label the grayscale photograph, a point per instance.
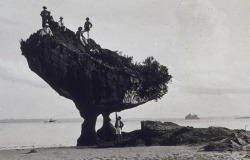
(124, 80)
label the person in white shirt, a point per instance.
(61, 24)
(80, 37)
(46, 31)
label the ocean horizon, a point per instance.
(39, 133)
(35, 120)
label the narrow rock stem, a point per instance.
(88, 134)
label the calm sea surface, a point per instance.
(40, 134)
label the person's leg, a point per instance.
(118, 137)
(118, 134)
(43, 22)
(85, 40)
(83, 43)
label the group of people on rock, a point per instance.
(47, 20)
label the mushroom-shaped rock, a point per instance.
(97, 80)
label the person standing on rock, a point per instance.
(50, 18)
(80, 37)
(118, 126)
(61, 24)
(45, 16)
(87, 26)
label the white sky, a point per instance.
(205, 45)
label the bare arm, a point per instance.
(50, 32)
(122, 124)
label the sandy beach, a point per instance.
(129, 153)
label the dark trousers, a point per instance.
(44, 21)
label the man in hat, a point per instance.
(44, 15)
(87, 26)
(46, 31)
(61, 24)
(80, 37)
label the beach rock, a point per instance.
(156, 128)
(157, 133)
(129, 139)
(215, 139)
(168, 133)
(99, 82)
(32, 151)
(243, 136)
(238, 141)
(107, 132)
(199, 135)
(223, 145)
(247, 157)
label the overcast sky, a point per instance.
(205, 44)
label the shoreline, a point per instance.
(151, 152)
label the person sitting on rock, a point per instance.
(61, 24)
(118, 126)
(80, 37)
(87, 26)
(46, 31)
(44, 15)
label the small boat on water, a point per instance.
(51, 121)
(191, 116)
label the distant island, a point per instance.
(190, 116)
(248, 117)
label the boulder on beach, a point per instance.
(238, 140)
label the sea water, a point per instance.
(65, 133)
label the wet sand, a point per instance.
(128, 153)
